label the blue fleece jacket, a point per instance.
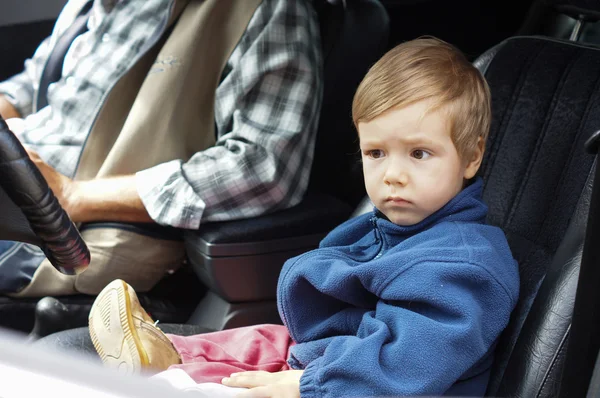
(385, 310)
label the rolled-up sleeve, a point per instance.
(266, 112)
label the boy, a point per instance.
(406, 300)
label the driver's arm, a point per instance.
(7, 109)
(112, 198)
(260, 162)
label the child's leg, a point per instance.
(126, 338)
(210, 357)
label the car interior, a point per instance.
(541, 59)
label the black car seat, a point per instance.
(537, 174)
(239, 261)
(546, 103)
(531, 362)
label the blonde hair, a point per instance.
(428, 69)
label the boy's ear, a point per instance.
(475, 161)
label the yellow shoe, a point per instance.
(125, 336)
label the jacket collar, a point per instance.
(467, 206)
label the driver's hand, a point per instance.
(61, 185)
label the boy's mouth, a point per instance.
(397, 200)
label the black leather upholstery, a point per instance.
(545, 105)
(483, 61)
(27, 189)
(316, 213)
(535, 368)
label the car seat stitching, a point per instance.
(571, 156)
(540, 139)
(508, 111)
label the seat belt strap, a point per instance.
(53, 70)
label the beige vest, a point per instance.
(161, 110)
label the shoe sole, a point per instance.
(113, 333)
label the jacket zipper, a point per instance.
(378, 237)
(280, 303)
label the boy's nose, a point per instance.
(396, 176)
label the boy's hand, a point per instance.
(285, 384)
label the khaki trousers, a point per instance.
(138, 259)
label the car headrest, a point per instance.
(354, 35)
(578, 9)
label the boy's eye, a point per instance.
(420, 154)
(375, 153)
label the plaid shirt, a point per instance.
(266, 108)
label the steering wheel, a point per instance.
(31, 213)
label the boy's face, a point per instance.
(411, 166)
